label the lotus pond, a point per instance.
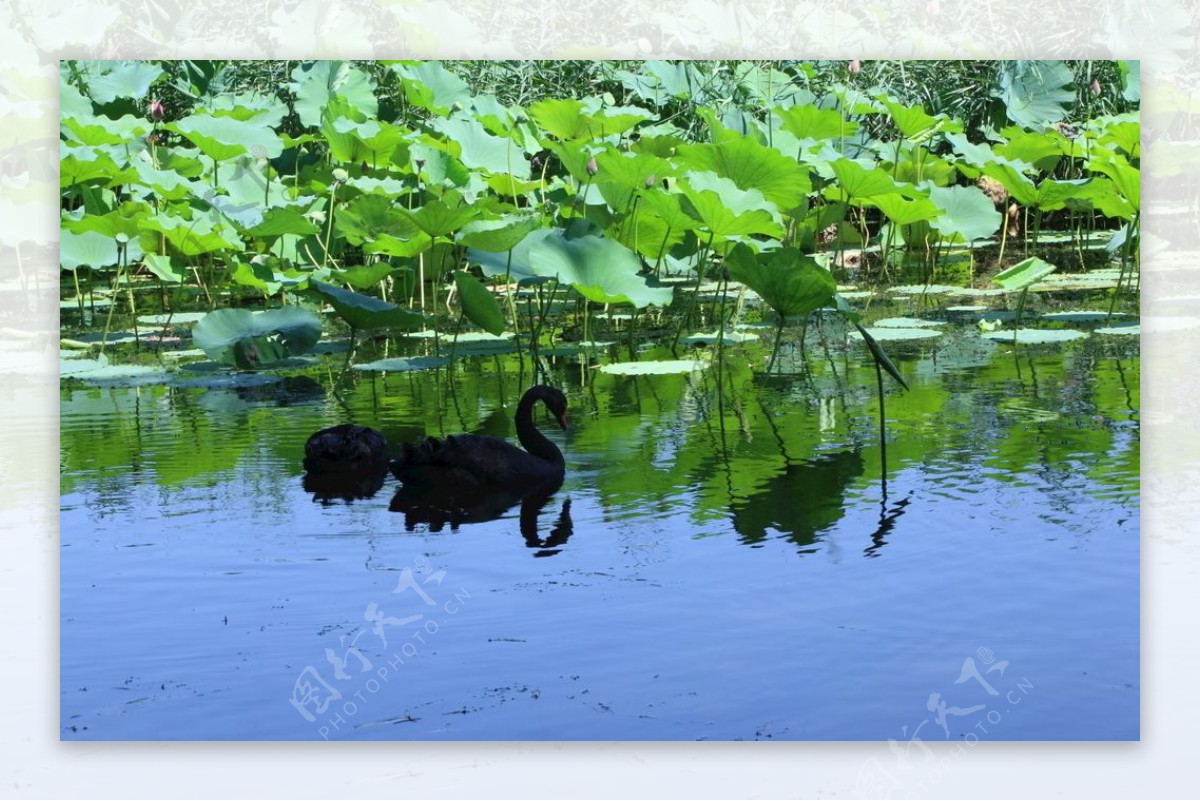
(722, 562)
(853, 389)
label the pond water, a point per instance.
(722, 561)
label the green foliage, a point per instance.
(250, 340)
(273, 179)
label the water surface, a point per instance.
(722, 562)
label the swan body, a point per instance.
(345, 448)
(463, 464)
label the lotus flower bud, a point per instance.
(650, 181)
(1095, 86)
(855, 67)
(592, 167)
(157, 110)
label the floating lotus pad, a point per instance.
(966, 309)
(1035, 336)
(190, 353)
(1080, 316)
(1119, 330)
(662, 367)
(971, 292)
(407, 364)
(711, 339)
(125, 375)
(882, 334)
(183, 318)
(1096, 279)
(907, 322)
(228, 381)
(921, 289)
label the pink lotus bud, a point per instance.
(592, 167)
(855, 67)
(1095, 86)
(157, 110)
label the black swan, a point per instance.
(466, 465)
(346, 449)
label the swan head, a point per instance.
(555, 401)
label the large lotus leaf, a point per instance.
(600, 269)
(481, 150)
(438, 167)
(316, 82)
(966, 213)
(1125, 177)
(789, 282)
(364, 311)
(191, 237)
(88, 249)
(668, 206)
(439, 218)
(1052, 194)
(91, 130)
(1034, 92)
(166, 184)
(1131, 80)
(648, 234)
(280, 221)
(857, 182)
(367, 217)
(249, 340)
(259, 276)
(562, 118)
(429, 85)
(631, 170)
(364, 276)
(726, 210)
(128, 79)
(225, 137)
(658, 81)
(1101, 194)
(905, 211)
(363, 141)
(810, 122)
(750, 165)
(122, 220)
(389, 245)
(500, 234)
(1125, 132)
(71, 102)
(911, 120)
(478, 304)
(1014, 180)
(566, 118)
(1042, 150)
(774, 88)
(85, 163)
(1024, 273)
(161, 267)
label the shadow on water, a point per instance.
(802, 500)
(436, 509)
(347, 486)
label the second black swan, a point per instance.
(464, 463)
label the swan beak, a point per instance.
(562, 421)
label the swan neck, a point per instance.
(531, 438)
